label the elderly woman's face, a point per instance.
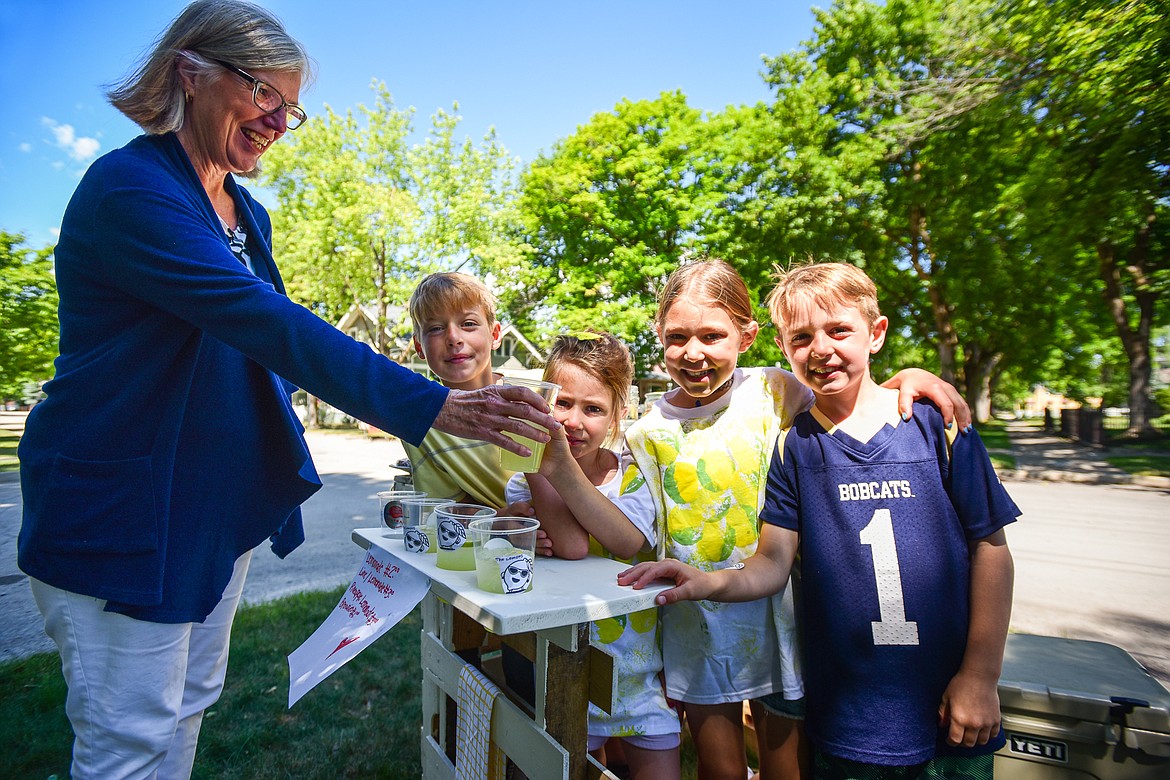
(229, 130)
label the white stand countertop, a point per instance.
(563, 592)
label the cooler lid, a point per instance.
(1078, 678)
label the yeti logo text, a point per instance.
(873, 491)
(1028, 745)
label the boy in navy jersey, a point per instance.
(905, 582)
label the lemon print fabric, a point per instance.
(706, 468)
(712, 487)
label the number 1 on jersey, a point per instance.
(893, 628)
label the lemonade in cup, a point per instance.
(454, 546)
(505, 553)
(420, 526)
(511, 461)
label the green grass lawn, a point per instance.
(363, 721)
(1147, 458)
(8, 442)
(999, 446)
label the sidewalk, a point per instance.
(1046, 456)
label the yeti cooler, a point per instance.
(1080, 710)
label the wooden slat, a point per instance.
(535, 752)
(566, 720)
(524, 644)
(602, 681)
(466, 634)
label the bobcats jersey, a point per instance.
(884, 530)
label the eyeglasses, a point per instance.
(268, 99)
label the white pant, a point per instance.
(137, 690)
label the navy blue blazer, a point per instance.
(167, 445)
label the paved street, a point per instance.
(1092, 560)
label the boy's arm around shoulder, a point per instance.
(912, 383)
(763, 574)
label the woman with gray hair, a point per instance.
(167, 448)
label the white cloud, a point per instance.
(25, 147)
(82, 149)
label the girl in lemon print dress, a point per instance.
(704, 450)
(594, 372)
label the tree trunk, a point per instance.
(314, 420)
(1135, 340)
(380, 342)
(978, 369)
(921, 258)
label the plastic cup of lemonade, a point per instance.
(420, 526)
(511, 461)
(454, 546)
(505, 551)
(390, 508)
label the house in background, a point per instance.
(516, 355)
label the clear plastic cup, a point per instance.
(420, 526)
(390, 509)
(511, 461)
(505, 553)
(454, 547)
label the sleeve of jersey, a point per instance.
(982, 503)
(517, 489)
(636, 501)
(781, 496)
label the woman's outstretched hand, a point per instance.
(485, 414)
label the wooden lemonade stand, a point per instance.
(549, 625)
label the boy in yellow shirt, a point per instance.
(455, 331)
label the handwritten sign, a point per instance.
(380, 595)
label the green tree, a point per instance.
(880, 159)
(1090, 76)
(364, 212)
(607, 214)
(28, 314)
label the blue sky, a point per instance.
(533, 70)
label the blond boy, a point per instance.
(455, 331)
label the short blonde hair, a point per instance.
(601, 356)
(827, 285)
(708, 281)
(443, 293)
